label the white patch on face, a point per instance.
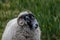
(27, 17)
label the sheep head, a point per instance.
(27, 18)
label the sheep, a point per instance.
(24, 27)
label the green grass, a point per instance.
(47, 13)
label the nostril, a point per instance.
(36, 25)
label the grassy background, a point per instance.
(47, 13)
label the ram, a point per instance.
(24, 27)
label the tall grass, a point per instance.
(47, 13)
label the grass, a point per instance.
(47, 13)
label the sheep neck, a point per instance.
(24, 33)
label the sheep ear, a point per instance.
(20, 21)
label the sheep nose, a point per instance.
(36, 25)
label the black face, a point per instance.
(31, 21)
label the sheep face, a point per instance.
(28, 19)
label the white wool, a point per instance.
(9, 30)
(12, 27)
(25, 12)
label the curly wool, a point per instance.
(15, 32)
